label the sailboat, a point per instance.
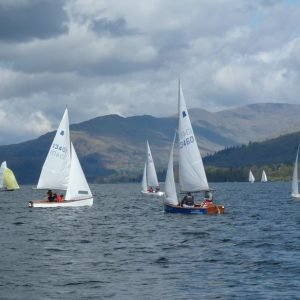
(192, 176)
(150, 185)
(62, 171)
(264, 176)
(8, 181)
(251, 177)
(295, 189)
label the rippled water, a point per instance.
(126, 247)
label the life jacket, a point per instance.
(189, 200)
(59, 198)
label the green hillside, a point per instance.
(275, 156)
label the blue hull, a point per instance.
(213, 209)
(184, 210)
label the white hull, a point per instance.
(71, 203)
(295, 195)
(153, 193)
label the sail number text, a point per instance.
(186, 141)
(186, 137)
(60, 148)
(58, 151)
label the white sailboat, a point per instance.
(192, 176)
(251, 177)
(264, 176)
(295, 189)
(8, 181)
(62, 171)
(150, 185)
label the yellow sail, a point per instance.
(9, 180)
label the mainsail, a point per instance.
(151, 172)
(56, 168)
(7, 178)
(251, 177)
(192, 175)
(264, 176)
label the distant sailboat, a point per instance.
(192, 176)
(264, 176)
(295, 189)
(251, 177)
(8, 181)
(150, 185)
(62, 171)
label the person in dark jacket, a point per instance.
(188, 200)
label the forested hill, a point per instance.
(113, 148)
(279, 150)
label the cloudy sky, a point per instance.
(102, 57)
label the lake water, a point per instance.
(126, 247)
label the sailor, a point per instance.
(208, 199)
(50, 196)
(188, 200)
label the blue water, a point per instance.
(126, 247)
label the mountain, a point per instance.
(273, 151)
(115, 147)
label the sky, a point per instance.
(100, 57)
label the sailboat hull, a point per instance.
(209, 210)
(70, 203)
(153, 193)
(295, 195)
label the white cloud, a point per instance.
(126, 56)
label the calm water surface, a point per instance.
(126, 247)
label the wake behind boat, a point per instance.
(192, 176)
(150, 185)
(62, 172)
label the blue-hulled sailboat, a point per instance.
(192, 176)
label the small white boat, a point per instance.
(8, 181)
(150, 185)
(264, 176)
(295, 188)
(251, 177)
(62, 172)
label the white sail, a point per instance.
(2, 169)
(264, 176)
(8, 180)
(78, 187)
(56, 168)
(170, 187)
(251, 177)
(151, 172)
(144, 180)
(295, 189)
(192, 175)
